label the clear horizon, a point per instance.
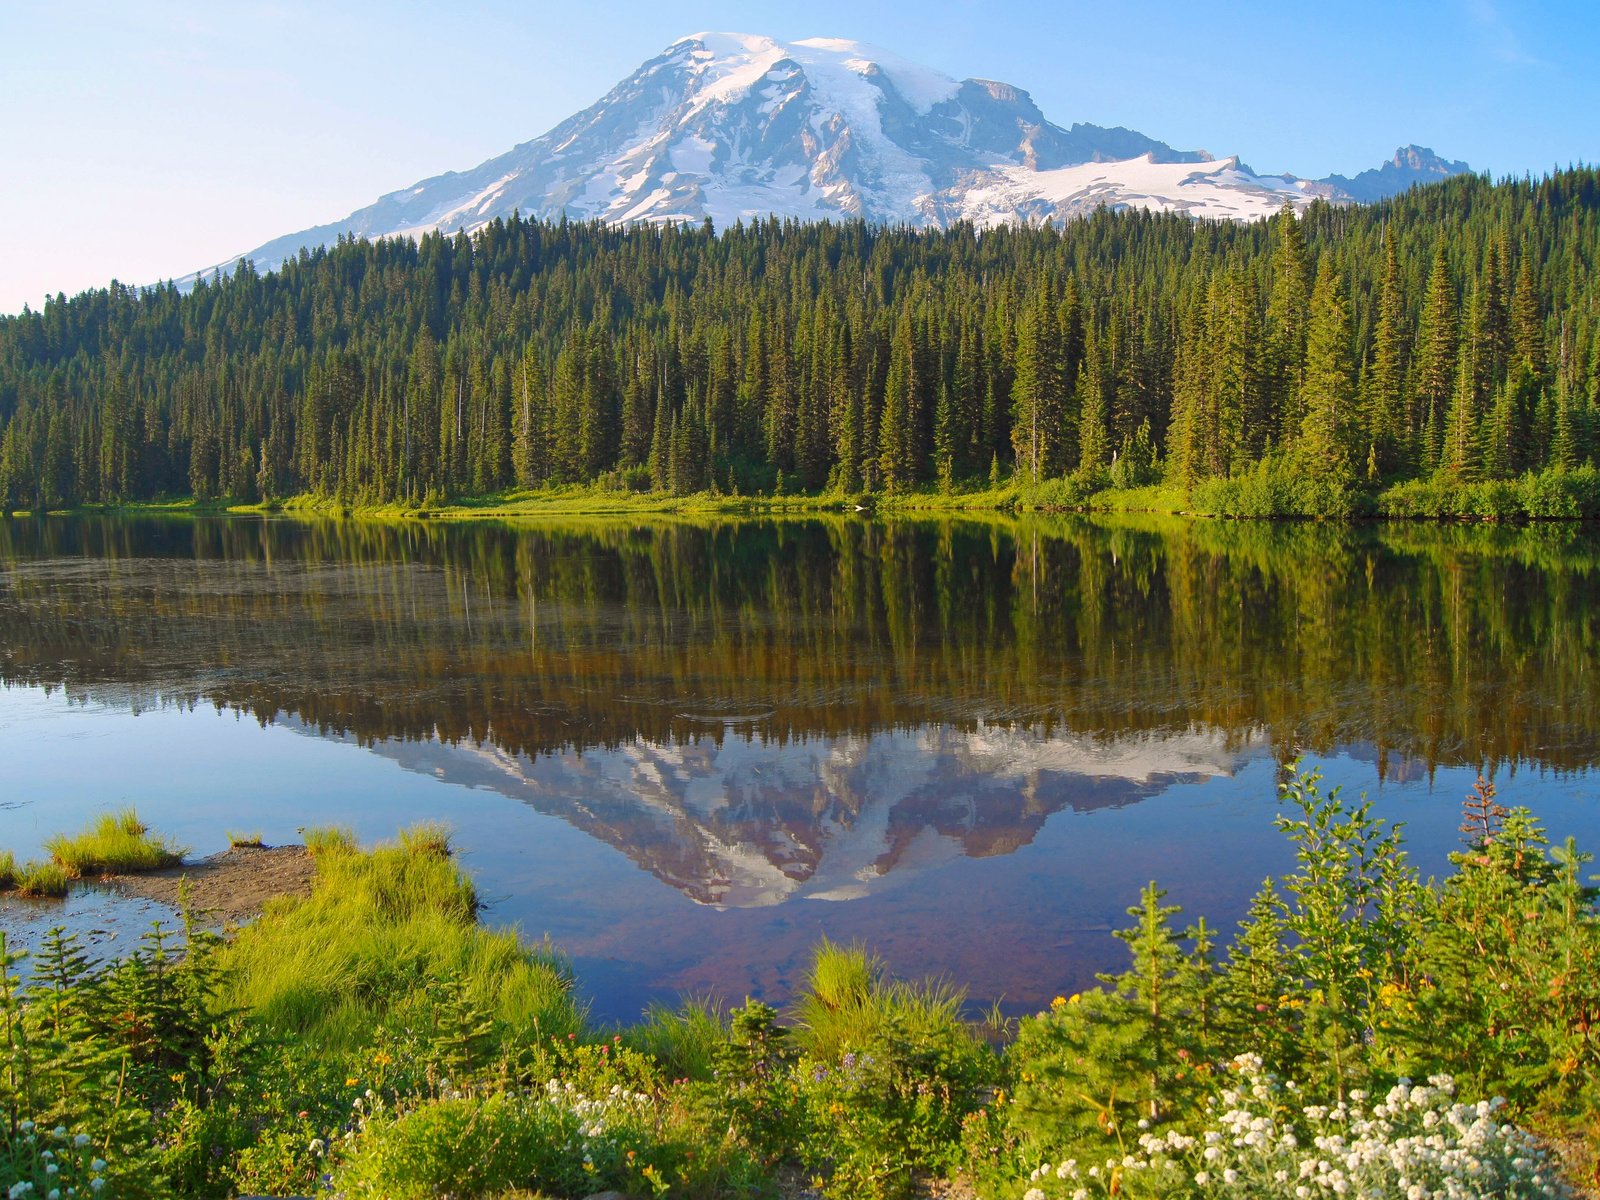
(146, 143)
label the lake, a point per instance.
(687, 750)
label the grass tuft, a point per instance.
(38, 879)
(113, 843)
(849, 1003)
(330, 841)
(251, 841)
(683, 1040)
(8, 870)
(427, 838)
(372, 943)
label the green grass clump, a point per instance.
(427, 837)
(683, 1040)
(8, 870)
(253, 840)
(849, 1003)
(113, 843)
(329, 841)
(39, 879)
(370, 947)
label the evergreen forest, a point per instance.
(1402, 357)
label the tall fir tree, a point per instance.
(1330, 429)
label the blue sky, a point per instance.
(142, 140)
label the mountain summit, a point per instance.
(732, 126)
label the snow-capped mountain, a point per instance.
(735, 126)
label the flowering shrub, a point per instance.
(1260, 1140)
(889, 1074)
(49, 1164)
(558, 1138)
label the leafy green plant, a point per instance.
(1508, 970)
(890, 1072)
(1350, 910)
(559, 1138)
(36, 1161)
(1260, 1140)
(753, 1082)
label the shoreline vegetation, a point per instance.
(1364, 1032)
(1265, 494)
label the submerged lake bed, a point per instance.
(685, 751)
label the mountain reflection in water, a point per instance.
(739, 823)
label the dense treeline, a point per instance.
(1451, 332)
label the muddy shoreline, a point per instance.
(230, 887)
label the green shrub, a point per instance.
(1494, 500)
(754, 1085)
(890, 1071)
(1562, 494)
(1072, 491)
(1550, 494)
(39, 1162)
(113, 843)
(1279, 486)
(1512, 947)
(1132, 1054)
(559, 1138)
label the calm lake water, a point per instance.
(686, 751)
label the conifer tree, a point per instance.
(1390, 422)
(1527, 322)
(897, 423)
(1460, 454)
(1436, 359)
(1329, 429)
(1038, 409)
(529, 449)
(1094, 433)
(1286, 329)
(1491, 326)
